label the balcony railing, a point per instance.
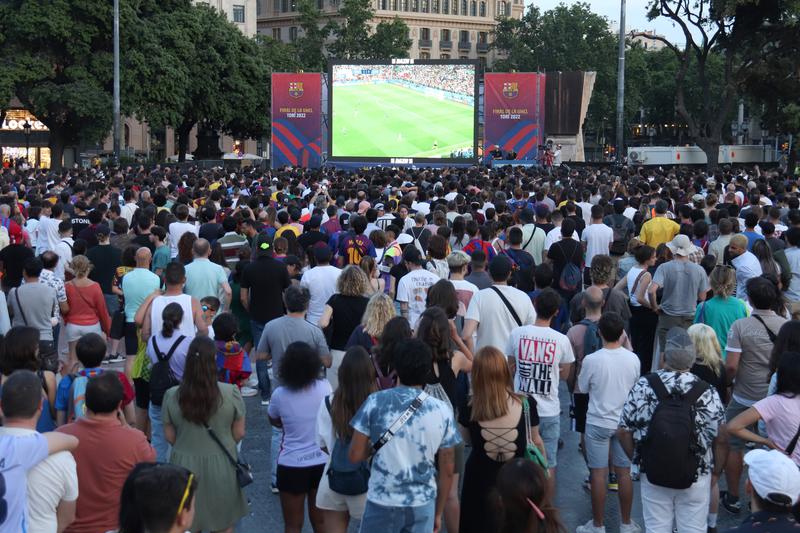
(425, 43)
(445, 45)
(464, 46)
(482, 47)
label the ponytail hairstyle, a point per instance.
(520, 500)
(171, 318)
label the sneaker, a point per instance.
(274, 489)
(252, 381)
(589, 527)
(613, 485)
(633, 527)
(265, 403)
(116, 358)
(247, 392)
(731, 504)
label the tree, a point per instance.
(310, 45)
(572, 38)
(724, 42)
(354, 40)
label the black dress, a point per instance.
(480, 472)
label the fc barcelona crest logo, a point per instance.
(510, 89)
(295, 89)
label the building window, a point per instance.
(284, 6)
(425, 8)
(403, 5)
(483, 37)
(293, 5)
(258, 8)
(238, 14)
(276, 6)
(445, 56)
(473, 8)
(463, 57)
(434, 6)
(463, 36)
(444, 35)
(455, 7)
(293, 33)
(415, 6)
(424, 55)
(482, 62)
(425, 34)
(501, 9)
(276, 34)
(384, 4)
(483, 9)
(463, 7)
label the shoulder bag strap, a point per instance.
(507, 304)
(328, 403)
(772, 336)
(658, 386)
(19, 305)
(172, 349)
(533, 233)
(78, 290)
(526, 410)
(222, 446)
(793, 443)
(400, 422)
(636, 281)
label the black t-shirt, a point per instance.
(105, 260)
(143, 240)
(13, 257)
(707, 374)
(561, 252)
(546, 227)
(397, 271)
(310, 238)
(347, 313)
(210, 231)
(79, 223)
(266, 279)
(420, 234)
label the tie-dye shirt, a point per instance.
(403, 471)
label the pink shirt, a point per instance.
(782, 417)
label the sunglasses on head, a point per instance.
(205, 308)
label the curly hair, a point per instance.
(602, 269)
(352, 282)
(380, 310)
(299, 366)
(81, 266)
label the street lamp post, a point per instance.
(26, 127)
(621, 84)
(117, 123)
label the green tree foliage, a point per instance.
(568, 38)
(353, 39)
(310, 46)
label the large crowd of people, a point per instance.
(416, 338)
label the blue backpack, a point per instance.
(344, 477)
(591, 337)
(78, 388)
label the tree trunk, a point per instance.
(2, 118)
(711, 147)
(56, 144)
(183, 140)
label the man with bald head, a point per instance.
(746, 263)
(137, 285)
(204, 278)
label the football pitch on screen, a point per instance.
(385, 120)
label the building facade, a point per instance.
(648, 39)
(439, 29)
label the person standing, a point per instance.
(261, 294)
(749, 347)
(413, 287)
(414, 501)
(533, 237)
(675, 491)
(178, 228)
(23, 450)
(745, 262)
(105, 260)
(597, 237)
(494, 312)
(684, 283)
(203, 420)
(206, 278)
(659, 229)
(107, 453)
(606, 376)
(321, 283)
(540, 357)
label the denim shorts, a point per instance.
(397, 519)
(598, 440)
(735, 408)
(550, 431)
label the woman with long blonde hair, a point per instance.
(493, 421)
(342, 314)
(710, 368)
(380, 310)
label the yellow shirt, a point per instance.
(284, 229)
(658, 230)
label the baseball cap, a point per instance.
(292, 260)
(774, 476)
(697, 198)
(458, 259)
(102, 229)
(679, 352)
(379, 207)
(363, 206)
(404, 238)
(263, 245)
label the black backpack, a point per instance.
(622, 234)
(161, 376)
(670, 451)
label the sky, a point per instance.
(635, 14)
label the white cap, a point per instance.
(404, 238)
(773, 475)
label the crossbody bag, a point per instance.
(400, 422)
(508, 305)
